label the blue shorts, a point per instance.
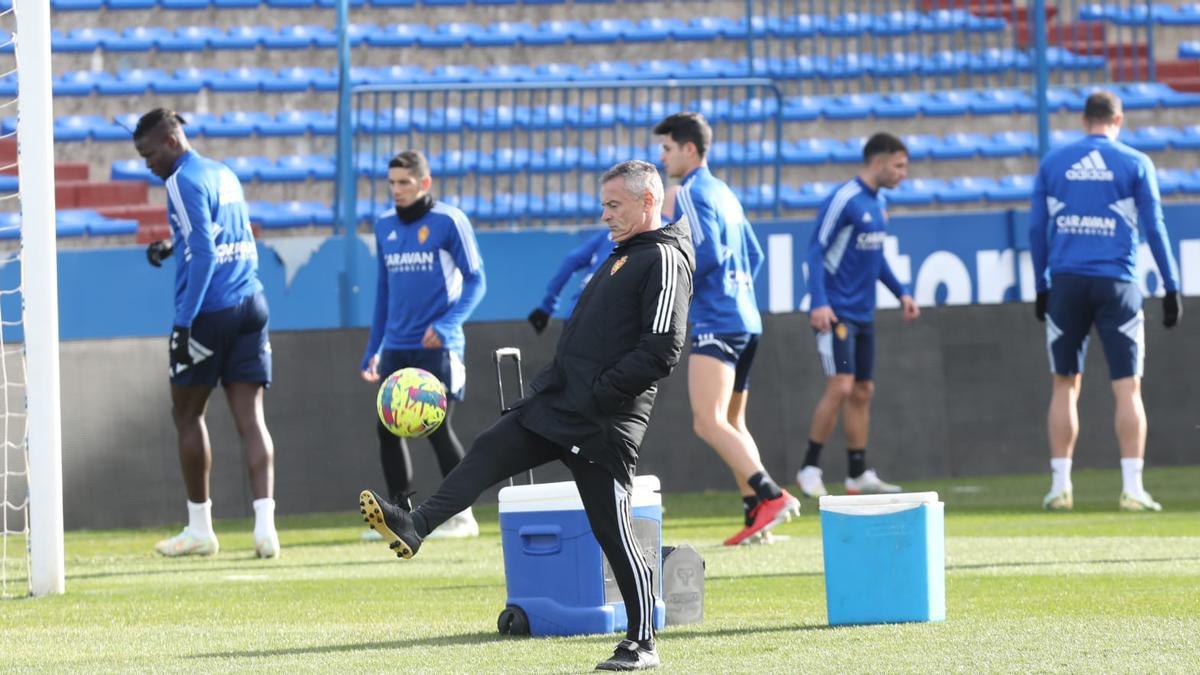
(1114, 306)
(229, 345)
(848, 349)
(735, 349)
(446, 366)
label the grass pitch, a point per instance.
(1093, 590)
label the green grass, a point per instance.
(1093, 590)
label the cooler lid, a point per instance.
(871, 505)
(563, 496)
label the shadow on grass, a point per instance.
(439, 641)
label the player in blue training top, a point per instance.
(430, 279)
(1092, 202)
(845, 259)
(587, 256)
(724, 319)
(220, 329)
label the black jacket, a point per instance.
(625, 334)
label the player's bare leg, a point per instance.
(246, 404)
(825, 416)
(188, 405)
(710, 388)
(857, 414)
(1130, 423)
(1062, 424)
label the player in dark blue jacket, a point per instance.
(430, 278)
(723, 319)
(845, 259)
(220, 328)
(1093, 202)
(587, 257)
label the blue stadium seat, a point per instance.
(236, 4)
(293, 122)
(113, 130)
(303, 36)
(241, 79)
(452, 35)
(454, 163)
(184, 81)
(945, 103)
(958, 146)
(802, 108)
(81, 39)
(656, 69)
(451, 119)
(232, 125)
(560, 159)
(199, 122)
(545, 33)
(196, 79)
(1183, 15)
(75, 127)
(504, 160)
(396, 35)
(130, 4)
(809, 151)
(76, 5)
(291, 4)
(568, 30)
(902, 105)
(385, 121)
(1011, 188)
(1139, 96)
(851, 107)
(1150, 139)
(74, 83)
(552, 116)
(101, 226)
(1188, 139)
(407, 74)
(942, 63)
(509, 73)
(603, 31)
(920, 146)
(900, 64)
(133, 82)
(961, 190)
(10, 224)
(1063, 136)
(597, 71)
(916, 191)
(705, 28)
(247, 168)
(74, 222)
(298, 168)
(1189, 50)
(135, 39)
(240, 37)
(178, 5)
(807, 195)
(714, 68)
(559, 72)
(293, 214)
(1009, 144)
(1000, 101)
(501, 118)
(188, 39)
(1171, 181)
(294, 79)
(504, 34)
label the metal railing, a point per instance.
(531, 154)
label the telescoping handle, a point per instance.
(498, 358)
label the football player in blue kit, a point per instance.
(430, 279)
(1093, 201)
(588, 257)
(845, 259)
(724, 320)
(220, 328)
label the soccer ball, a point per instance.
(411, 403)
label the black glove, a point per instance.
(539, 319)
(1172, 310)
(1039, 305)
(158, 251)
(180, 354)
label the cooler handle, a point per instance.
(540, 539)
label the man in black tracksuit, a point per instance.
(589, 408)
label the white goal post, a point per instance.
(39, 281)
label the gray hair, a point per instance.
(640, 177)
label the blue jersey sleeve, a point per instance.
(888, 277)
(379, 318)
(1039, 218)
(190, 202)
(827, 224)
(1149, 205)
(465, 252)
(754, 250)
(702, 219)
(578, 258)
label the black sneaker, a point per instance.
(630, 655)
(392, 521)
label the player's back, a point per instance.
(727, 256)
(1091, 190)
(211, 225)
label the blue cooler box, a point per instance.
(885, 558)
(554, 568)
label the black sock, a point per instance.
(813, 456)
(858, 462)
(764, 487)
(748, 504)
(420, 524)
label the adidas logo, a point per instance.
(1091, 167)
(392, 236)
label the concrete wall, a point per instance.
(962, 391)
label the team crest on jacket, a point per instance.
(842, 331)
(423, 234)
(617, 265)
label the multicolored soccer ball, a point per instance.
(411, 403)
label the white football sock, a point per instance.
(264, 516)
(200, 518)
(1060, 474)
(1131, 476)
